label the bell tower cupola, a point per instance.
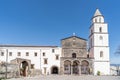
(98, 17)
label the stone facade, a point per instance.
(74, 44)
(74, 56)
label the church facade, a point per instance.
(72, 58)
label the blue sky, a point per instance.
(46, 22)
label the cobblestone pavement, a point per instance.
(65, 77)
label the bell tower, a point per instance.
(99, 44)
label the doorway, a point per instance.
(24, 68)
(75, 67)
(54, 70)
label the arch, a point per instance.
(66, 62)
(24, 68)
(75, 67)
(76, 61)
(85, 63)
(85, 67)
(100, 20)
(73, 55)
(54, 70)
(67, 67)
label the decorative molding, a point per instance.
(98, 33)
(101, 61)
(98, 46)
(96, 23)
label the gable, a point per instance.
(74, 37)
(73, 42)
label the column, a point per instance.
(79, 69)
(71, 69)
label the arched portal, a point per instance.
(54, 70)
(75, 67)
(85, 67)
(24, 68)
(67, 67)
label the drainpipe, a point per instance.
(40, 62)
(6, 63)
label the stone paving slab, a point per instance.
(65, 77)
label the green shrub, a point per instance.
(98, 73)
(2, 78)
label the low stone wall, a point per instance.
(9, 70)
(13, 71)
(34, 72)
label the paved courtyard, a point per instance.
(65, 77)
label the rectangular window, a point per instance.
(57, 57)
(35, 54)
(18, 54)
(32, 66)
(27, 53)
(2, 53)
(53, 50)
(43, 53)
(10, 53)
(45, 61)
